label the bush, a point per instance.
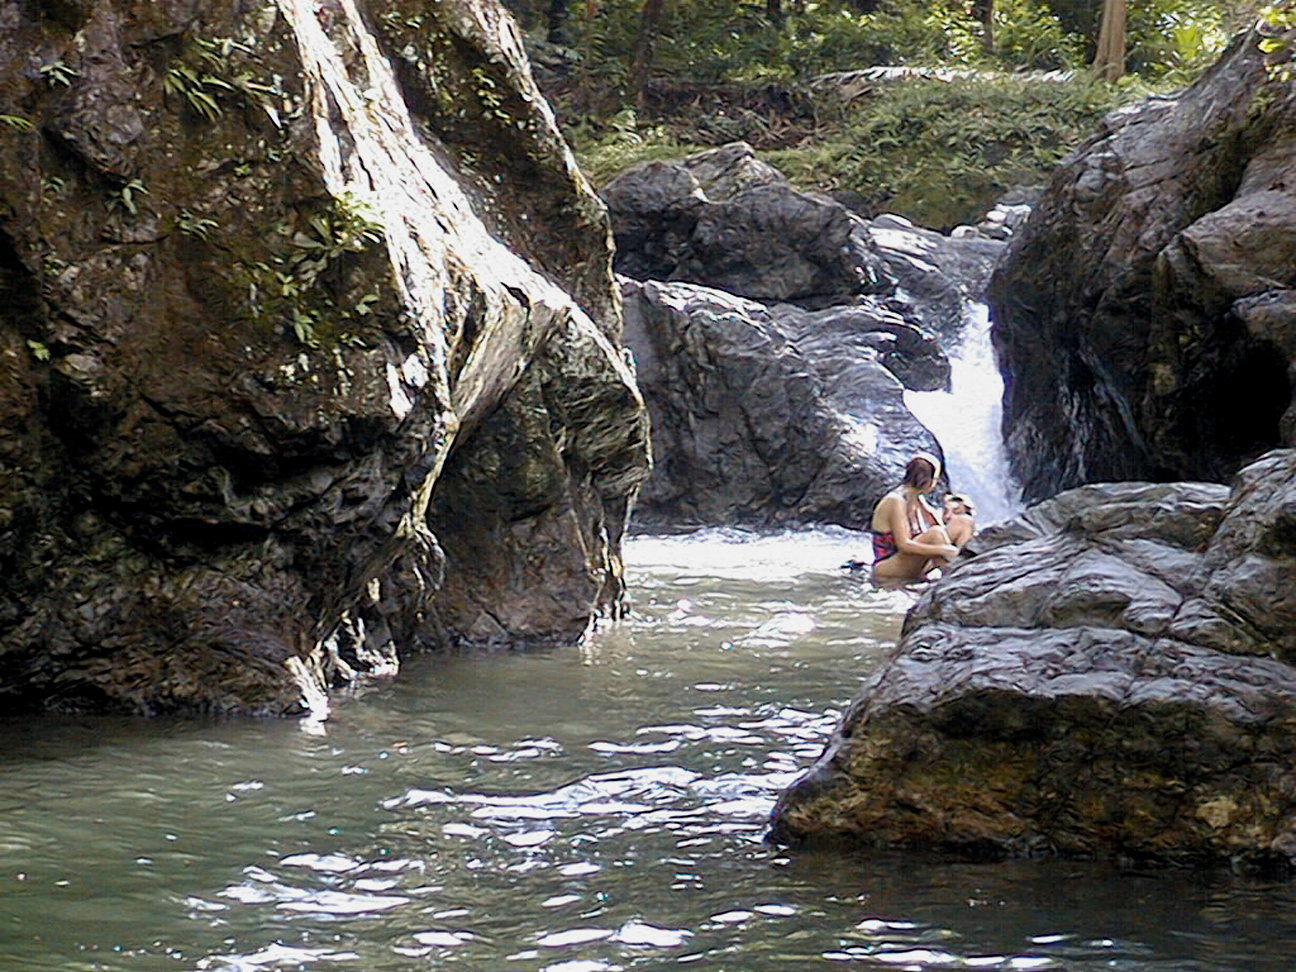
(937, 152)
(941, 152)
(1030, 36)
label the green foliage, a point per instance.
(1030, 36)
(211, 69)
(304, 286)
(17, 123)
(608, 149)
(1280, 23)
(38, 350)
(1171, 41)
(59, 73)
(940, 153)
(192, 224)
(197, 88)
(711, 41)
(350, 229)
(1280, 16)
(127, 197)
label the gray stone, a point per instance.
(1151, 283)
(1098, 681)
(299, 370)
(726, 220)
(750, 427)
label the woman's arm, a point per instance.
(898, 519)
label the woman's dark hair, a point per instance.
(920, 473)
(967, 503)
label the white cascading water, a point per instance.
(966, 421)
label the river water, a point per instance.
(593, 809)
(581, 810)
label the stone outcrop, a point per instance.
(726, 220)
(1112, 675)
(309, 350)
(767, 416)
(1144, 315)
(775, 332)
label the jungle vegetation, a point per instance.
(979, 96)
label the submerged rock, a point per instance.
(309, 352)
(1109, 677)
(1144, 315)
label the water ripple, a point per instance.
(585, 811)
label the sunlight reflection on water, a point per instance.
(591, 809)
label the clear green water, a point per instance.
(583, 810)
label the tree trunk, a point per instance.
(557, 22)
(983, 11)
(1109, 61)
(654, 12)
(774, 11)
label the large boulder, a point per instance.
(309, 350)
(1109, 677)
(727, 220)
(733, 272)
(766, 416)
(1145, 315)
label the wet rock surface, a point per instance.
(753, 426)
(304, 312)
(1108, 677)
(1151, 283)
(726, 220)
(774, 333)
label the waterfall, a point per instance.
(966, 421)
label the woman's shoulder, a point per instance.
(883, 510)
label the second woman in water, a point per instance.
(909, 539)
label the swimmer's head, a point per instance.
(922, 472)
(954, 503)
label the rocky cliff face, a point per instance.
(308, 348)
(1111, 676)
(1145, 315)
(775, 333)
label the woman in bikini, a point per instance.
(908, 538)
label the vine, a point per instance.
(302, 286)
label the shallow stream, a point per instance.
(583, 810)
